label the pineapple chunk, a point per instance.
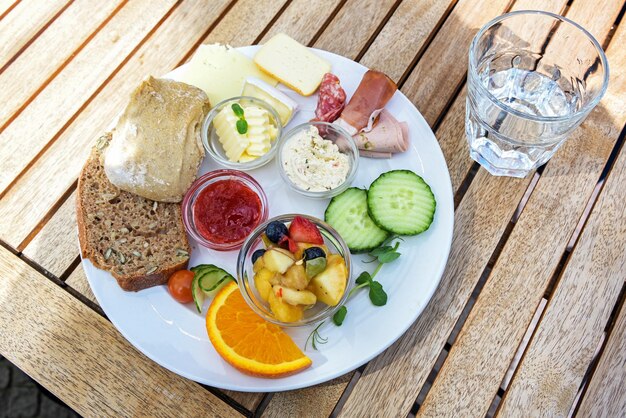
(258, 265)
(330, 284)
(278, 260)
(284, 311)
(295, 297)
(295, 277)
(262, 282)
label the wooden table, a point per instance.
(529, 318)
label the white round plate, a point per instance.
(174, 335)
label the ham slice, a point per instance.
(388, 136)
(370, 97)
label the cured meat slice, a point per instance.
(331, 100)
(388, 136)
(373, 93)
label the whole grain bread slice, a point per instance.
(139, 241)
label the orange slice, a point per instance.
(247, 341)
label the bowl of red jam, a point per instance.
(222, 207)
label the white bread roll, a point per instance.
(156, 148)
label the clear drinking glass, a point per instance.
(533, 77)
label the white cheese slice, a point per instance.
(283, 104)
(220, 71)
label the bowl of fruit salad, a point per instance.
(241, 132)
(294, 270)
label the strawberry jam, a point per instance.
(227, 211)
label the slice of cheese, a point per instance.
(220, 71)
(292, 63)
(284, 106)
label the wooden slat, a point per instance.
(57, 169)
(451, 146)
(230, 29)
(392, 381)
(605, 396)
(316, 401)
(48, 52)
(301, 21)
(406, 33)
(354, 25)
(80, 357)
(22, 23)
(78, 281)
(573, 323)
(444, 65)
(50, 111)
(6, 6)
(473, 371)
(55, 247)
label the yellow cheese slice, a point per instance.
(292, 63)
(220, 71)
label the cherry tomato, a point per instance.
(179, 285)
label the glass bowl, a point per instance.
(339, 137)
(191, 198)
(213, 146)
(245, 274)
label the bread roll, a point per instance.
(156, 148)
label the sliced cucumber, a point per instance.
(213, 279)
(206, 281)
(348, 214)
(197, 293)
(401, 202)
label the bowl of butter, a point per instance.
(242, 132)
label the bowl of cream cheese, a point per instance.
(318, 159)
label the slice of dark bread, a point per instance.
(139, 241)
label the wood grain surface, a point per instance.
(371, 15)
(407, 34)
(56, 245)
(81, 358)
(605, 396)
(49, 53)
(572, 327)
(303, 22)
(23, 23)
(473, 371)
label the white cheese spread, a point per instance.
(313, 163)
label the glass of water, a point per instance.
(533, 77)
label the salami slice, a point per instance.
(332, 99)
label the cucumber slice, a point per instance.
(401, 202)
(197, 293)
(206, 280)
(348, 214)
(213, 279)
